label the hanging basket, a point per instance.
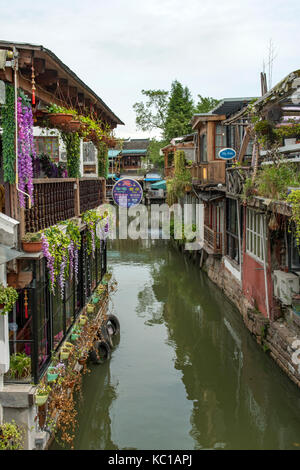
(40, 400)
(82, 320)
(60, 119)
(90, 308)
(73, 126)
(51, 374)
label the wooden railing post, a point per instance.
(77, 197)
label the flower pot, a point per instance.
(68, 345)
(73, 126)
(32, 247)
(52, 374)
(95, 300)
(74, 337)
(82, 360)
(82, 320)
(60, 119)
(64, 354)
(90, 308)
(40, 400)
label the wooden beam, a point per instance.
(39, 66)
(49, 77)
(245, 144)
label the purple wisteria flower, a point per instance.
(26, 150)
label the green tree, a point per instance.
(205, 104)
(179, 112)
(155, 158)
(152, 114)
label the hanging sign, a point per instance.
(127, 192)
(227, 154)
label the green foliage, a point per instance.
(179, 112)
(72, 143)
(205, 104)
(102, 151)
(288, 131)
(273, 180)
(8, 297)
(20, 366)
(294, 199)
(152, 114)
(266, 133)
(155, 158)
(32, 237)
(182, 177)
(56, 109)
(91, 218)
(11, 436)
(8, 136)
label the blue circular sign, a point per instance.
(227, 154)
(127, 192)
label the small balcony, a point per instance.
(236, 178)
(213, 240)
(208, 172)
(57, 199)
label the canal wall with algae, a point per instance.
(279, 338)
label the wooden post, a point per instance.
(77, 198)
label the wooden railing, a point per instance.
(90, 193)
(204, 173)
(235, 179)
(213, 239)
(59, 199)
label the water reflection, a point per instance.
(186, 374)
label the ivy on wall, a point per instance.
(72, 143)
(102, 159)
(8, 137)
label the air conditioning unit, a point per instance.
(285, 286)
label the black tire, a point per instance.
(112, 321)
(100, 353)
(104, 335)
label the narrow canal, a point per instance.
(185, 374)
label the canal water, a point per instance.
(185, 372)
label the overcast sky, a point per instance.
(119, 47)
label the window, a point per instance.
(220, 140)
(253, 236)
(48, 145)
(232, 230)
(203, 148)
(89, 153)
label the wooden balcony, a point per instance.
(213, 240)
(236, 178)
(169, 171)
(58, 199)
(204, 173)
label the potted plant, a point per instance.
(20, 366)
(11, 436)
(66, 350)
(32, 242)
(41, 394)
(90, 308)
(82, 357)
(60, 116)
(8, 297)
(82, 320)
(52, 374)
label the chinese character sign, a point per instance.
(127, 192)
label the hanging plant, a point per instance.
(102, 154)
(72, 143)
(8, 136)
(8, 298)
(61, 251)
(294, 199)
(91, 218)
(176, 186)
(26, 150)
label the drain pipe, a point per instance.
(16, 125)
